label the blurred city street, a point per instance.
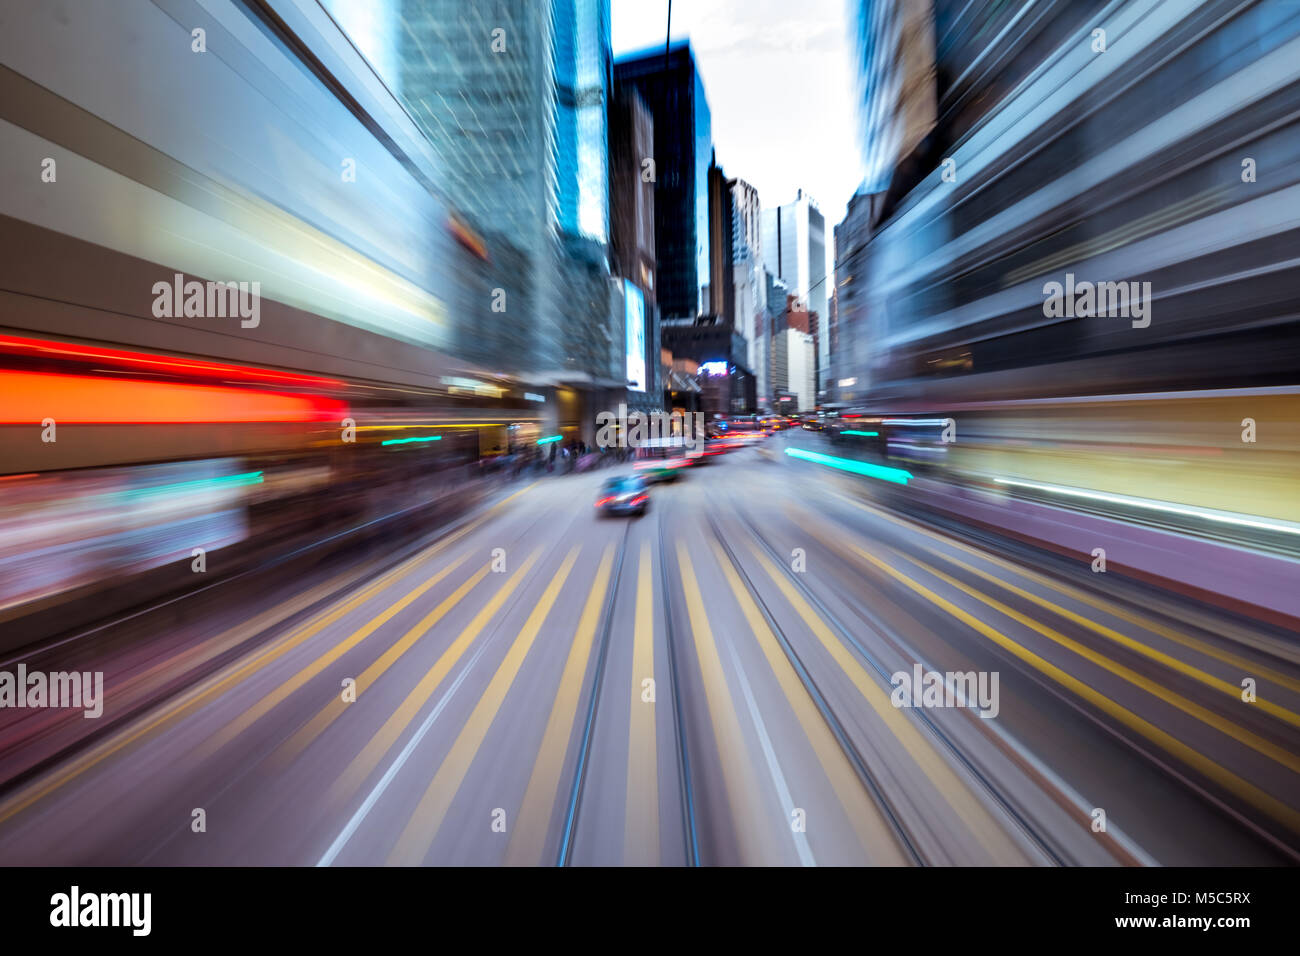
(668, 689)
(624, 433)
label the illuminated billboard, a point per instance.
(634, 312)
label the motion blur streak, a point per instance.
(447, 780)
(1245, 521)
(872, 831)
(271, 700)
(156, 363)
(737, 770)
(540, 798)
(856, 467)
(507, 673)
(27, 397)
(374, 579)
(954, 791)
(641, 829)
(1257, 797)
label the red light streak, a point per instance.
(14, 345)
(27, 398)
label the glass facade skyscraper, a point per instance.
(512, 96)
(894, 48)
(671, 88)
(583, 64)
(794, 248)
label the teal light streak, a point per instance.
(547, 441)
(199, 484)
(405, 441)
(896, 475)
(863, 434)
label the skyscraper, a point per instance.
(774, 322)
(749, 279)
(583, 64)
(670, 86)
(895, 84)
(632, 240)
(512, 96)
(794, 249)
(722, 288)
(851, 366)
(632, 193)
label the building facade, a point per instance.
(512, 98)
(721, 297)
(894, 46)
(851, 368)
(794, 243)
(632, 246)
(749, 278)
(774, 321)
(1076, 142)
(670, 86)
(801, 371)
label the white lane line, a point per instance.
(773, 767)
(351, 828)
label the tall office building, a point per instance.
(579, 293)
(794, 248)
(583, 80)
(851, 374)
(670, 86)
(793, 372)
(895, 84)
(512, 96)
(956, 100)
(632, 193)
(632, 245)
(748, 277)
(774, 322)
(779, 368)
(801, 372)
(721, 298)
(748, 216)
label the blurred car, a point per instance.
(715, 447)
(662, 459)
(624, 495)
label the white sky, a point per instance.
(776, 73)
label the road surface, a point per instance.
(710, 683)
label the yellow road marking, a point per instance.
(874, 834)
(163, 669)
(1125, 641)
(335, 708)
(954, 790)
(1225, 778)
(423, 826)
(192, 700)
(218, 684)
(270, 701)
(753, 833)
(528, 841)
(1206, 716)
(641, 821)
(1248, 667)
(383, 739)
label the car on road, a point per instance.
(715, 447)
(662, 459)
(624, 495)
